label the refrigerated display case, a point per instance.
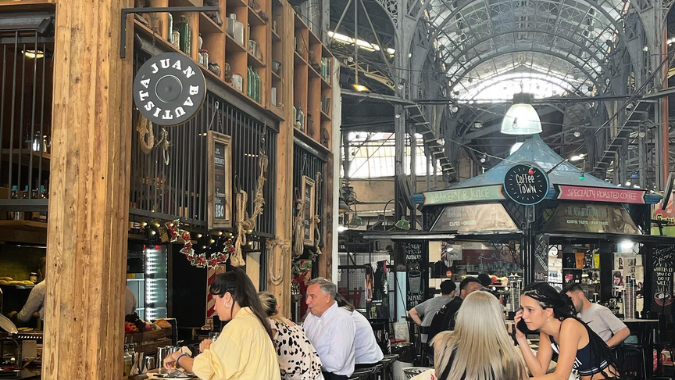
(147, 279)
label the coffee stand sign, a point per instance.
(526, 184)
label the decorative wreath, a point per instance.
(198, 260)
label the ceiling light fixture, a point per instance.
(33, 54)
(521, 118)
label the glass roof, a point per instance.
(552, 47)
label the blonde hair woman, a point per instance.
(298, 359)
(479, 348)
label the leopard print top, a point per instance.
(298, 359)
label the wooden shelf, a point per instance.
(164, 44)
(324, 116)
(23, 225)
(300, 23)
(186, 3)
(254, 18)
(275, 76)
(277, 112)
(299, 60)
(233, 45)
(25, 157)
(307, 139)
(236, 3)
(275, 37)
(325, 84)
(255, 62)
(27, 5)
(207, 26)
(313, 72)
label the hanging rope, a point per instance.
(146, 137)
(317, 220)
(299, 229)
(164, 144)
(275, 278)
(246, 224)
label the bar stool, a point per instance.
(385, 371)
(362, 374)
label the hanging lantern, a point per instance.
(521, 118)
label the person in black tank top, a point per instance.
(561, 332)
(479, 348)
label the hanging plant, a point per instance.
(200, 260)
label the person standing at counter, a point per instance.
(366, 350)
(298, 359)
(244, 349)
(330, 329)
(424, 313)
(36, 299)
(578, 347)
(599, 318)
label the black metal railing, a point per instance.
(26, 66)
(178, 189)
(307, 164)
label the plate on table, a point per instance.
(175, 375)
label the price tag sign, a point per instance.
(169, 89)
(526, 184)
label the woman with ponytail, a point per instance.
(244, 349)
(298, 359)
(560, 331)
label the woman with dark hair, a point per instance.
(560, 331)
(244, 349)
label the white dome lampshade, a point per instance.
(521, 119)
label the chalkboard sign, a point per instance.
(308, 209)
(416, 263)
(219, 181)
(526, 184)
(662, 280)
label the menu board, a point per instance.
(662, 280)
(416, 267)
(308, 209)
(219, 181)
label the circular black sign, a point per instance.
(526, 184)
(169, 89)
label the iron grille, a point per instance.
(26, 64)
(178, 189)
(307, 164)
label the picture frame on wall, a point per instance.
(219, 182)
(308, 209)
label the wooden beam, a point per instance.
(89, 193)
(280, 259)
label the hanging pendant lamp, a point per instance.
(521, 118)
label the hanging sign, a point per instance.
(219, 181)
(489, 217)
(599, 194)
(169, 89)
(526, 184)
(472, 194)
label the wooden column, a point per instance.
(89, 193)
(280, 263)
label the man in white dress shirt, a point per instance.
(330, 329)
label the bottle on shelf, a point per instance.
(170, 28)
(11, 215)
(185, 35)
(44, 195)
(175, 39)
(127, 361)
(301, 118)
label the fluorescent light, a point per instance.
(342, 228)
(515, 147)
(577, 157)
(627, 244)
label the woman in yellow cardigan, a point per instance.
(244, 349)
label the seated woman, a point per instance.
(577, 346)
(479, 348)
(298, 359)
(244, 349)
